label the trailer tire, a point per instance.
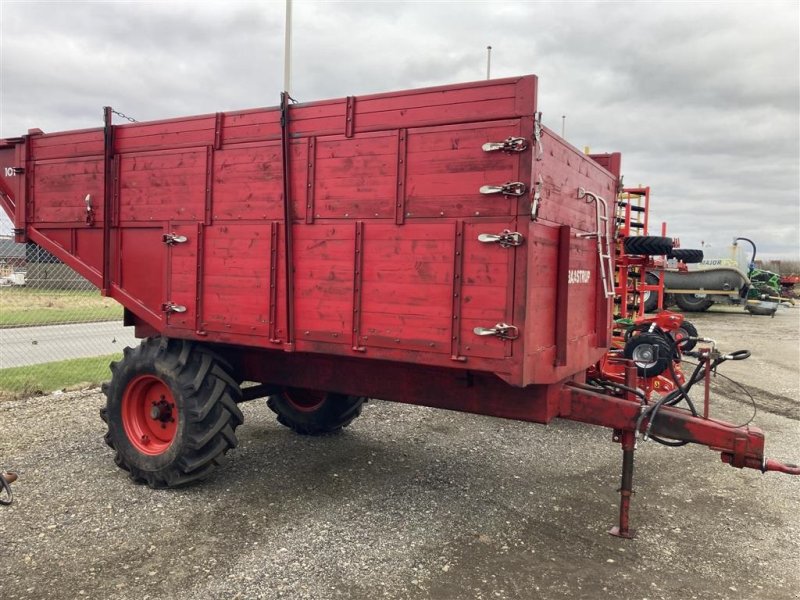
(687, 255)
(692, 302)
(647, 245)
(309, 412)
(651, 298)
(171, 412)
(650, 352)
(681, 335)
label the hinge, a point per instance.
(537, 198)
(170, 307)
(173, 238)
(508, 189)
(537, 135)
(89, 210)
(510, 144)
(507, 239)
(502, 330)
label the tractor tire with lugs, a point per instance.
(310, 412)
(687, 255)
(171, 411)
(647, 245)
(692, 302)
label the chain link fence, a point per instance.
(56, 330)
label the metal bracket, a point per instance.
(510, 144)
(508, 189)
(171, 239)
(506, 239)
(89, 210)
(170, 307)
(537, 197)
(537, 135)
(502, 330)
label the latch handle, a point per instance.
(173, 238)
(170, 307)
(510, 144)
(506, 239)
(510, 188)
(502, 330)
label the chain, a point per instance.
(116, 112)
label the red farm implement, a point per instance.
(437, 247)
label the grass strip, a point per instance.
(72, 374)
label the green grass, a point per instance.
(21, 306)
(76, 373)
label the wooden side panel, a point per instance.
(163, 186)
(488, 271)
(89, 248)
(323, 284)
(60, 189)
(408, 286)
(69, 144)
(142, 272)
(182, 276)
(236, 286)
(563, 170)
(356, 178)
(251, 125)
(248, 181)
(446, 168)
(175, 133)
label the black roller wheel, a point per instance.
(171, 411)
(651, 298)
(310, 412)
(650, 352)
(687, 255)
(692, 302)
(646, 245)
(682, 334)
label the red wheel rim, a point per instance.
(304, 400)
(149, 414)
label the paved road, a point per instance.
(33, 345)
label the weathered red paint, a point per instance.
(385, 215)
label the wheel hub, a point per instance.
(149, 414)
(162, 411)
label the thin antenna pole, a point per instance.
(488, 62)
(287, 49)
(563, 125)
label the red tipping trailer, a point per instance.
(435, 246)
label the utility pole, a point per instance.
(488, 62)
(287, 49)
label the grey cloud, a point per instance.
(703, 99)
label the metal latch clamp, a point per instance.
(506, 239)
(502, 330)
(510, 144)
(171, 307)
(508, 189)
(171, 239)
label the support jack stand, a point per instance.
(626, 488)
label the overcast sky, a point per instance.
(701, 98)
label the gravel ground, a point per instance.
(412, 502)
